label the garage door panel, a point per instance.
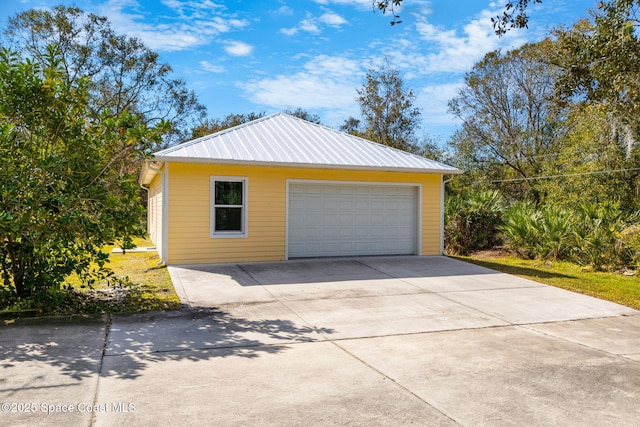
(361, 247)
(361, 219)
(330, 247)
(378, 233)
(345, 247)
(297, 204)
(361, 232)
(376, 220)
(296, 222)
(346, 205)
(361, 189)
(329, 205)
(361, 206)
(377, 205)
(345, 219)
(346, 233)
(351, 219)
(331, 190)
(330, 232)
(312, 232)
(314, 218)
(330, 219)
(313, 205)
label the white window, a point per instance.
(228, 206)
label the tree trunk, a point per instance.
(20, 257)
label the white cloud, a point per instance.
(237, 48)
(313, 24)
(212, 68)
(285, 10)
(289, 31)
(334, 66)
(193, 9)
(309, 25)
(299, 90)
(359, 3)
(444, 50)
(455, 51)
(332, 19)
(197, 23)
(433, 100)
(325, 82)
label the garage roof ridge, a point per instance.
(292, 141)
(211, 135)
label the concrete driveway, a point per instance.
(364, 341)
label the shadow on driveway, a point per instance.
(515, 270)
(319, 270)
(76, 349)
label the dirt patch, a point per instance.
(493, 253)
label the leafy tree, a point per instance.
(65, 185)
(509, 120)
(591, 163)
(515, 14)
(351, 126)
(428, 147)
(304, 115)
(387, 109)
(601, 64)
(389, 6)
(210, 126)
(124, 74)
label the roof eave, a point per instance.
(150, 168)
(452, 171)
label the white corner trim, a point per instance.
(419, 221)
(164, 250)
(442, 183)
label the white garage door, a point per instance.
(351, 220)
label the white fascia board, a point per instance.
(452, 171)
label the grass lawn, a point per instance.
(607, 286)
(149, 280)
(139, 283)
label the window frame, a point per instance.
(244, 232)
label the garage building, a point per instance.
(280, 187)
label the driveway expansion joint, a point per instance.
(396, 383)
(107, 331)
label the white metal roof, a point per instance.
(284, 140)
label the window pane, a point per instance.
(228, 193)
(228, 219)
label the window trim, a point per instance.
(212, 208)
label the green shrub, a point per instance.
(631, 240)
(472, 220)
(538, 233)
(519, 230)
(596, 234)
(555, 230)
(599, 235)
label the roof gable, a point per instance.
(284, 140)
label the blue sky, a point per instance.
(242, 56)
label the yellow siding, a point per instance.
(154, 212)
(189, 210)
